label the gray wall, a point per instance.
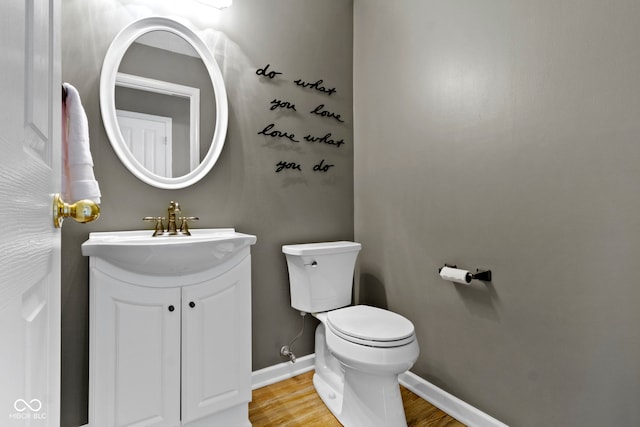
(303, 39)
(505, 134)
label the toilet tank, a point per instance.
(321, 274)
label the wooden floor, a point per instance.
(294, 402)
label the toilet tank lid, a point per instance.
(321, 248)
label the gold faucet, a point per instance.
(172, 228)
(158, 227)
(171, 214)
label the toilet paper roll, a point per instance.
(455, 275)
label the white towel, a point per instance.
(78, 180)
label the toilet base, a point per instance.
(354, 397)
(332, 399)
(371, 400)
(369, 403)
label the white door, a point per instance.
(149, 140)
(29, 244)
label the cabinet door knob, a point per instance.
(192, 304)
(171, 308)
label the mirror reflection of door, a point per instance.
(161, 74)
(149, 138)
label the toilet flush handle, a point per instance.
(313, 263)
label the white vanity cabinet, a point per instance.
(135, 353)
(171, 349)
(216, 344)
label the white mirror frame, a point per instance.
(108, 77)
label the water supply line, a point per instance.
(287, 350)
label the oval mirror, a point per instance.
(163, 103)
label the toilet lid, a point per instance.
(375, 327)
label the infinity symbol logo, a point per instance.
(22, 405)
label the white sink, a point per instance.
(139, 252)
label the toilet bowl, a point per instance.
(359, 350)
(364, 391)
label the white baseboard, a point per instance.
(448, 403)
(281, 371)
(439, 398)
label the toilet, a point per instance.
(359, 350)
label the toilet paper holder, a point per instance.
(482, 275)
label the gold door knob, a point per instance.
(81, 211)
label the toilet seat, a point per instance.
(370, 326)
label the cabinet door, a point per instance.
(216, 343)
(135, 354)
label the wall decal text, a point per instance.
(276, 103)
(282, 165)
(319, 110)
(272, 130)
(324, 139)
(277, 133)
(321, 167)
(317, 86)
(264, 72)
